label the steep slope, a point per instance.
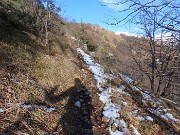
(116, 53)
(39, 95)
(125, 116)
(43, 90)
(111, 50)
(61, 90)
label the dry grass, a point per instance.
(27, 71)
(52, 70)
(131, 111)
(27, 75)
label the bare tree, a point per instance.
(158, 58)
(50, 8)
(168, 12)
(43, 15)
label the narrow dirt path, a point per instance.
(81, 109)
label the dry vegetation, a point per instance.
(29, 78)
(31, 73)
(115, 53)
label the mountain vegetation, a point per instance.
(47, 87)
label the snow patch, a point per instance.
(2, 110)
(50, 109)
(166, 109)
(77, 104)
(122, 87)
(29, 106)
(149, 118)
(123, 124)
(158, 108)
(96, 69)
(159, 112)
(105, 97)
(134, 111)
(126, 79)
(111, 110)
(124, 103)
(135, 130)
(116, 133)
(55, 133)
(170, 116)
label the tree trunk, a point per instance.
(47, 35)
(48, 18)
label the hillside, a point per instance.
(39, 85)
(116, 54)
(123, 115)
(78, 85)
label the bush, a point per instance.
(91, 46)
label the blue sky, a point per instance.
(90, 11)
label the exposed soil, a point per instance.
(67, 119)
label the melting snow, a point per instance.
(166, 109)
(164, 117)
(111, 110)
(123, 124)
(122, 87)
(170, 116)
(149, 118)
(29, 106)
(2, 110)
(50, 109)
(77, 104)
(159, 112)
(134, 111)
(105, 97)
(117, 133)
(55, 133)
(124, 103)
(135, 130)
(146, 97)
(125, 78)
(96, 69)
